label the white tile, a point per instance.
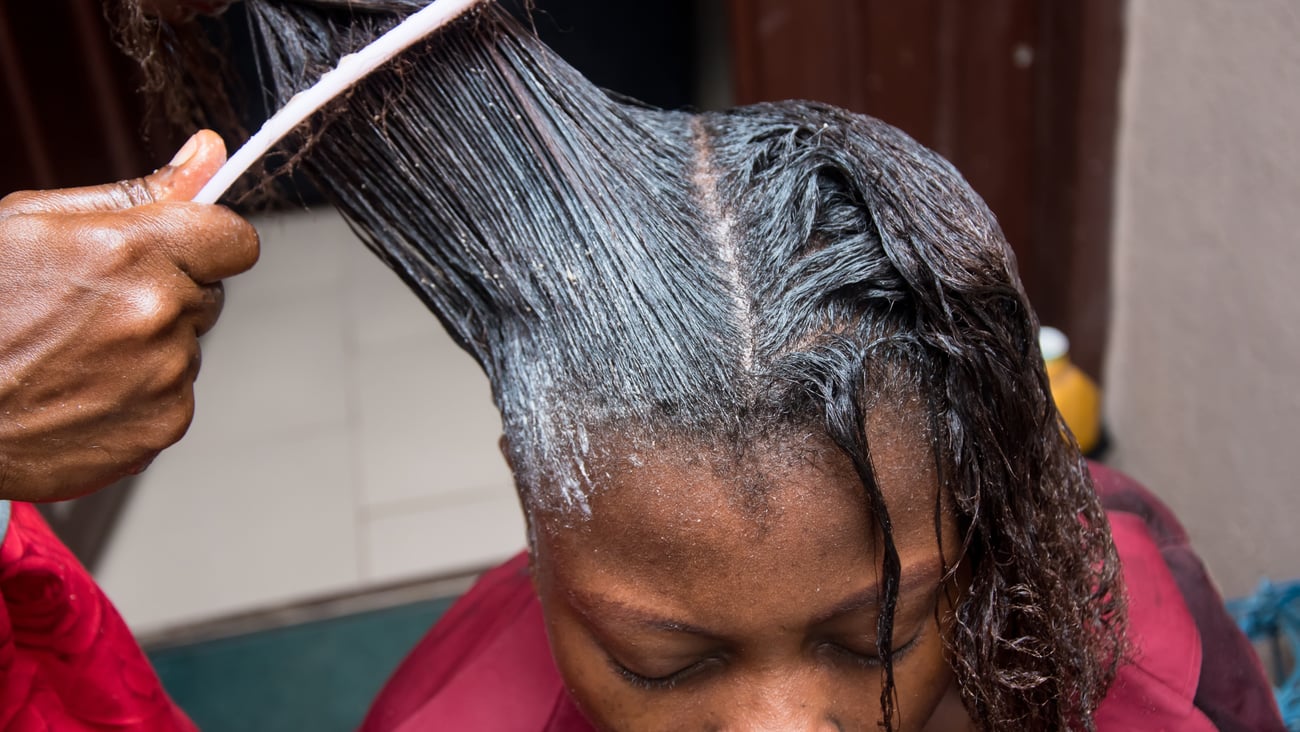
(427, 423)
(215, 529)
(273, 369)
(445, 538)
(340, 436)
(302, 254)
(381, 308)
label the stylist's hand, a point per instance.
(104, 292)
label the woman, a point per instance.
(771, 395)
(773, 402)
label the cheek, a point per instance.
(607, 700)
(923, 679)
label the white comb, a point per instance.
(350, 69)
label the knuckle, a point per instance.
(179, 419)
(250, 241)
(175, 410)
(176, 372)
(152, 310)
(209, 308)
(19, 200)
(214, 298)
(116, 244)
(30, 231)
(130, 193)
(178, 427)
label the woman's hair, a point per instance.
(624, 271)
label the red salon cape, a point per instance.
(67, 661)
(69, 664)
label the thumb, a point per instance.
(196, 162)
(179, 180)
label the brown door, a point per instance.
(1020, 95)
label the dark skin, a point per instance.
(104, 292)
(714, 593)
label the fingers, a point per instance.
(180, 180)
(208, 243)
(221, 244)
(107, 197)
(208, 307)
(195, 163)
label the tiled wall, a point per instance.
(340, 440)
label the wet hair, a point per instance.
(648, 274)
(177, 65)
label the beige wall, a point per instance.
(341, 442)
(1204, 368)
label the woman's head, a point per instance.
(873, 342)
(722, 588)
(847, 522)
(770, 387)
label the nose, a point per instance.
(791, 725)
(790, 718)
(785, 703)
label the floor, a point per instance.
(341, 441)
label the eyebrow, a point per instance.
(912, 581)
(593, 606)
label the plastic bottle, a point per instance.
(1077, 397)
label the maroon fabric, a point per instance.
(67, 661)
(487, 665)
(1233, 690)
(1155, 688)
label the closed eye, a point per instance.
(668, 681)
(869, 659)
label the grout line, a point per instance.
(353, 418)
(427, 503)
(231, 443)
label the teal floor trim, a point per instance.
(319, 676)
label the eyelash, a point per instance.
(873, 662)
(669, 682)
(662, 683)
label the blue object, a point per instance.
(319, 676)
(1272, 615)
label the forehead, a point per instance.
(679, 506)
(685, 512)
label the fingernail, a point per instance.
(186, 152)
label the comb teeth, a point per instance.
(350, 69)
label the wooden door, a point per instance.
(1021, 95)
